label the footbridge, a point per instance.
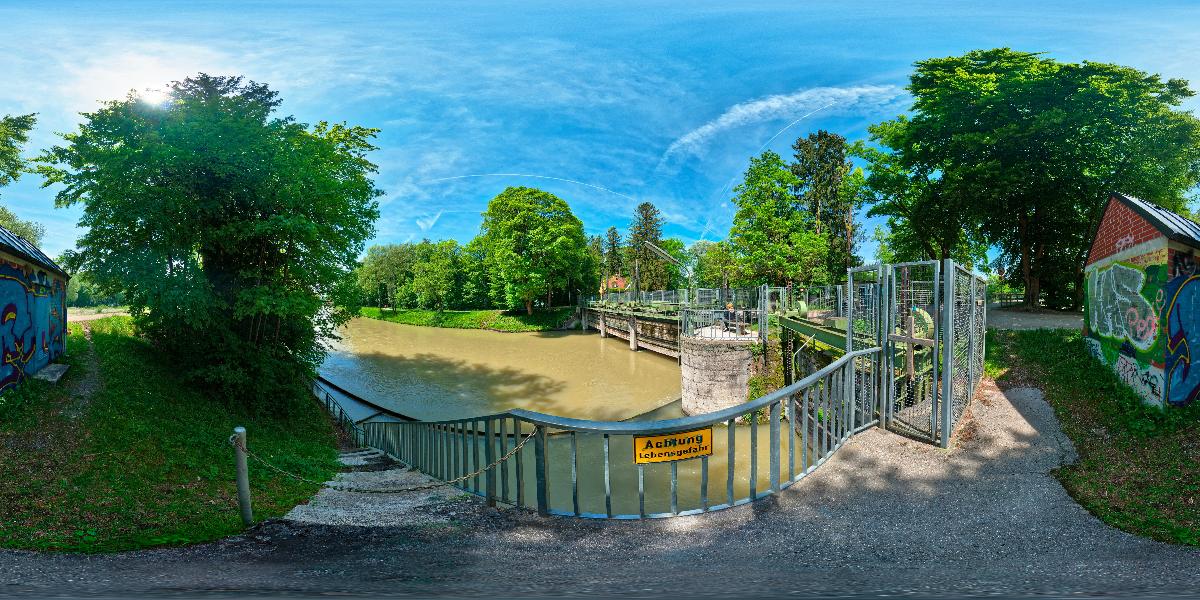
(909, 340)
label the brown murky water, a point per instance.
(431, 374)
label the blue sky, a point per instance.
(653, 101)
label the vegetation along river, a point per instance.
(432, 373)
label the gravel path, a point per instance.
(73, 317)
(886, 515)
(1015, 318)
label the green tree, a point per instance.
(613, 260)
(1029, 148)
(476, 285)
(831, 190)
(14, 134)
(715, 264)
(231, 231)
(773, 236)
(436, 278)
(534, 243)
(675, 273)
(647, 227)
(30, 230)
(385, 271)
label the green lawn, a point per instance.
(145, 461)
(1139, 467)
(496, 320)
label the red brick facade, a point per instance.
(1120, 228)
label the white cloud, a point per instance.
(864, 99)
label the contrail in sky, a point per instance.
(591, 185)
(729, 183)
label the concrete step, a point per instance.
(335, 507)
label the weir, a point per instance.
(909, 359)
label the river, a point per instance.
(433, 373)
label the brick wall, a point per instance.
(1120, 228)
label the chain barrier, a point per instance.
(233, 441)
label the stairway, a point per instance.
(367, 468)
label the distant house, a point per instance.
(1142, 301)
(615, 283)
(33, 309)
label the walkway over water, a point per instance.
(913, 358)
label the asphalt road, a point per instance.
(886, 516)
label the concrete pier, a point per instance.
(716, 373)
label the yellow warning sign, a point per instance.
(674, 446)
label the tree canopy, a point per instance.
(774, 236)
(534, 243)
(230, 230)
(1020, 151)
(14, 134)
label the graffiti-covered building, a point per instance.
(33, 309)
(1142, 307)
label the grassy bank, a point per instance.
(1138, 468)
(495, 320)
(121, 454)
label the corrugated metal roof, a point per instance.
(1172, 225)
(23, 248)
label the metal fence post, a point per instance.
(489, 455)
(539, 471)
(243, 476)
(948, 276)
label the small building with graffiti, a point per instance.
(1142, 301)
(33, 309)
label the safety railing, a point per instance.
(730, 324)
(342, 418)
(1007, 298)
(632, 470)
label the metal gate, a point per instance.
(935, 327)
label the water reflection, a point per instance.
(432, 374)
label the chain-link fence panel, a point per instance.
(913, 329)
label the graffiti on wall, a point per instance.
(1118, 309)
(32, 321)
(1145, 379)
(1183, 331)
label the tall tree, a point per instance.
(534, 243)
(613, 259)
(14, 134)
(231, 230)
(774, 237)
(1029, 147)
(436, 278)
(821, 171)
(647, 227)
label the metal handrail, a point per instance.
(682, 423)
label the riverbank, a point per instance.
(1138, 468)
(121, 454)
(492, 320)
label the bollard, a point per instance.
(243, 476)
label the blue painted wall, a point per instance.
(33, 319)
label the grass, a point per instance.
(495, 320)
(144, 459)
(1139, 466)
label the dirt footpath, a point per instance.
(885, 515)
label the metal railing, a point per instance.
(590, 468)
(339, 414)
(1007, 298)
(731, 324)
